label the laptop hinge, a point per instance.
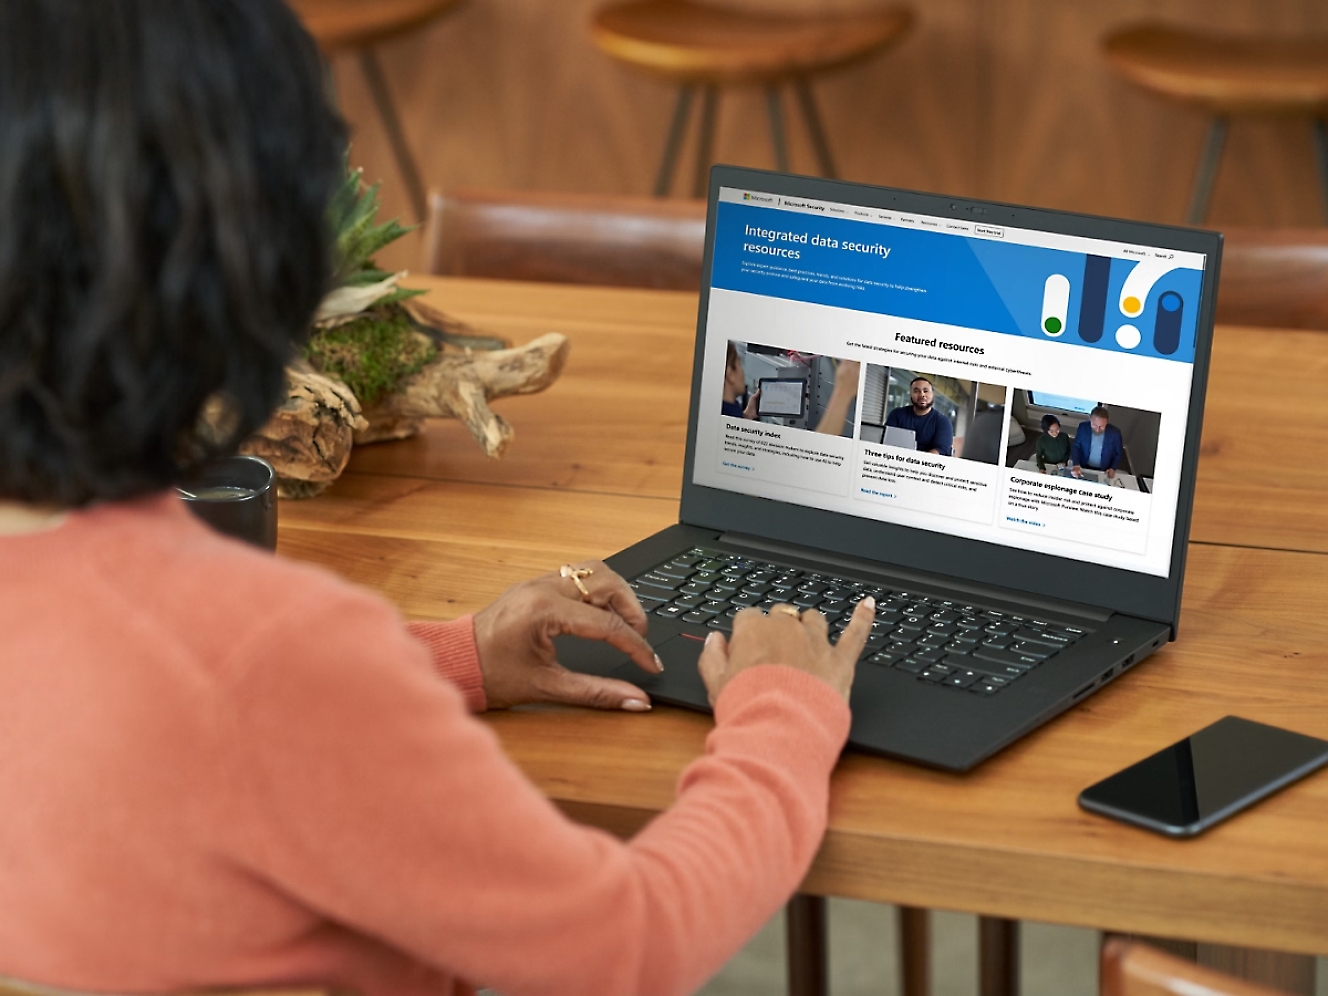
(890, 572)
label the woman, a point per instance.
(1053, 446)
(223, 769)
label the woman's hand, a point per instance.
(514, 636)
(785, 637)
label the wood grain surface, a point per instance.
(440, 532)
(1010, 100)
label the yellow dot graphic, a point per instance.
(1132, 305)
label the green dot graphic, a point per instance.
(1052, 325)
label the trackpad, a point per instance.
(681, 683)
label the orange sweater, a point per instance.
(222, 768)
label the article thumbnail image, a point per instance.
(923, 410)
(1089, 440)
(789, 388)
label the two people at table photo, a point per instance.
(225, 769)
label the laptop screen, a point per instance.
(1018, 387)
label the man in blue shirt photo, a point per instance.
(1097, 444)
(933, 430)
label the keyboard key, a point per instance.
(694, 589)
(699, 616)
(659, 581)
(984, 688)
(962, 679)
(650, 604)
(912, 665)
(1039, 650)
(807, 600)
(1006, 657)
(756, 588)
(670, 611)
(720, 623)
(674, 571)
(930, 656)
(686, 559)
(1037, 636)
(745, 598)
(886, 657)
(689, 601)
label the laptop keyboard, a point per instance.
(948, 643)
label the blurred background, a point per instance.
(1009, 100)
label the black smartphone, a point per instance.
(1210, 775)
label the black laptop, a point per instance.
(985, 416)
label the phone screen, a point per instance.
(1206, 777)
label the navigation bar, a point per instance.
(972, 230)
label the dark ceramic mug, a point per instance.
(235, 495)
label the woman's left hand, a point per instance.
(515, 634)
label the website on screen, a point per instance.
(1007, 385)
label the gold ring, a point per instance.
(576, 574)
(784, 609)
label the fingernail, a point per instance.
(870, 603)
(635, 705)
(659, 664)
(711, 637)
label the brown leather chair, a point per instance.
(1132, 968)
(566, 238)
(1227, 75)
(710, 46)
(1276, 277)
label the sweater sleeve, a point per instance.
(455, 656)
(363, 790)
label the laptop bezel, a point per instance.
(1143, 595)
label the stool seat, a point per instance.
(700, 43)
(354, 24)
(1225, 74)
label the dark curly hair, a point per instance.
(165, 168)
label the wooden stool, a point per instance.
(1227, 75)
(359, 25)
(700, 45)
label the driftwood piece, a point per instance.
(460, 385)
(309, 438)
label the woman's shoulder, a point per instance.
(204, 588)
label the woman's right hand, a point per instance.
(785, 637)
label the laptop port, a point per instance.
(1084, 691)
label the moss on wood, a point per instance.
(371, 354)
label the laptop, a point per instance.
(1004, 596)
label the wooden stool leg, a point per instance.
(1321, 156)
(998, 956)
(914, 951)
(805, 928)
(706, 141)
(804, 91)
(777, 128)
(1288, 973)
(382, 98)
(1207, 172)
(674, 143)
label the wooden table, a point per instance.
(596, 465)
